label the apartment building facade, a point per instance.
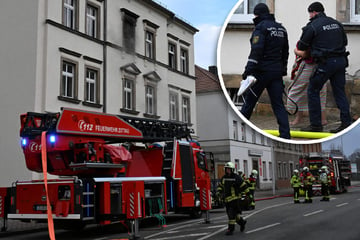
(126, 57)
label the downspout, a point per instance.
(105, 58)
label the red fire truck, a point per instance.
(339, 170)
(110, 168)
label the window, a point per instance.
(172, 55)
(186, 110)
(253, 135)
(174, 107)
(70, 13)
(244, 13)
(243, 132)
(150, 100)
(129, 24)
(235, 130)
(270, 171)
(184, 59)
(128, 94)
(91, 86)
(355, 11)
(246, 172)
(68, 80)
(149, 45)
(92, 21)
(264, 172)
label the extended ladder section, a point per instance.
(113, 128)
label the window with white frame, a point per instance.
(172, 55)
(173, 106)
(68, 79)
(149, 45)
(150, 106)
(184, 61)
(244, 13)
(246, 172)
(271, 171)
(91, 85)
(185, 109)
(70, 13)
(128, 90)
(355, 11)
(264, 171)
(235, 130)
(92, 20)
(243, 132)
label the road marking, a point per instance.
(343, 204)
(182, 236)
(218, 226)
(214, 233)
(312, 213)
(269, 207)
(262, 228)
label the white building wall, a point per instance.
(30, 63)
(18, 50)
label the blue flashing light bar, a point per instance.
(52, 139)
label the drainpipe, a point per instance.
(104, 57)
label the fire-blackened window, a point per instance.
(129, 27)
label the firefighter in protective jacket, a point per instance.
(325, 181)
(252, 185)
(308, 180)
(231, 188)
(295, 184)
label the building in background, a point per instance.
(222, 132)
(114, 56)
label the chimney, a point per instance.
(213, 70)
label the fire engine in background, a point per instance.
(339, 170)
(111, 168)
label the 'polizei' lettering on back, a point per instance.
(331, 27)
(276, 32)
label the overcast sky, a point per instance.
(208, 16)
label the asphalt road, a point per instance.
(273, 219)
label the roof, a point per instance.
(206, 81)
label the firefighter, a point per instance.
(308, 182)
(295, 184)
(252, 185)
(325, 181)
(230, 189)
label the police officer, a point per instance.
(267, 62)
(296, 184)
(325, 181)
(327, 41)
(231, 187)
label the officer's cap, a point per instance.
(316, 7)
(261, 9)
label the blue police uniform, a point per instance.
(267, 62)
(326, 39)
